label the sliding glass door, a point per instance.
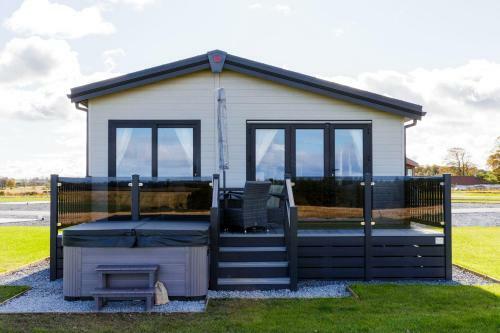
(153, 148)
(269, 153)
(309, 152)
(326, 161)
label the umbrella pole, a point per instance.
(224, 181)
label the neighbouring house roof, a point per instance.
(217, 61)
(467, 180)
(410, 163)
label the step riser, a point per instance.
(253, 256)
(252, 241)
(253, 272)
(254, 287)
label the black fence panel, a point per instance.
(88, 199)
(329, 202)
(407, 202)
(175, 198)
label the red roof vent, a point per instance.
(217, 58)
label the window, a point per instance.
(154, 148)
(133, 152)
(175, 152)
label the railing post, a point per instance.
(447, 225)
(54, 179)
(293, 249)
(292, 243)
(135, 209)
(214, 233)
(367, 217)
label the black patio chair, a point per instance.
(253, 211)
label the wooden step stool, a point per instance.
(104, 292)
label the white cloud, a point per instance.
(49, 19)
(462, 105)
(35, 76)
(338, 32)
(110, 58)
(42, 132)
(136, 4)
(277, 8)
(255, 6)
(283, 9)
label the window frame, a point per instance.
(154, 125)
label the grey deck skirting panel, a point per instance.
(183, 270)
(391, 257)
(331, 257)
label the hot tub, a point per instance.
(180, 248)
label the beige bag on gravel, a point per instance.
(161, 294)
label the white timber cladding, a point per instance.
(192, 97)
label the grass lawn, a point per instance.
(7, 292)
(477, 248)
(22, 245)
(380, 308)
(24, 198)
(475, 196)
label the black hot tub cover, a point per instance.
(137, 234)
(101, 234)
(172, 233)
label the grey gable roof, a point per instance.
(217, 61)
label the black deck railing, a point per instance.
(81, 200)
(364, 204)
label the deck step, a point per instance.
(252, 249)
(252, 253)
(231, 240)
(253, 264)
(253, 283)
(253, 269)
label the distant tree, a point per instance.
(494, 159)
(3, 182)
(428, 170)
(458, 159)
(488, 176)
(10, 183)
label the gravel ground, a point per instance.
(46, 296)
(331, 289)
(307, 289)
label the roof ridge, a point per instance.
(218, 60)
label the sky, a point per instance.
(443, 55)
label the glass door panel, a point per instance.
(175, 152)
(269, 154)
(348, 152)
(309, 153)
(133, 151)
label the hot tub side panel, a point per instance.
(183, 270)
